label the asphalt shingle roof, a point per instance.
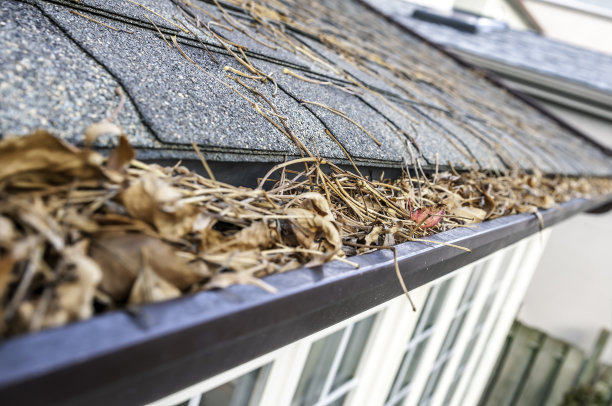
(59, 70)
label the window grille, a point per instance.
(415, 349)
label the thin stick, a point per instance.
(158, 15)
(396, 263)
(344, 116)
(98, 22)
(442, 243)
(158, 30)
(283, 165)
(203, 160)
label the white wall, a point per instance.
(568, 24)
(597, 128)
(570, 295)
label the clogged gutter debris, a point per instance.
(82, 234)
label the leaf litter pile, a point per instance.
(81, 233)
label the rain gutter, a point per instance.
(140, 355)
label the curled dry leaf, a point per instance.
(469, 214)
(239, 261)
(311, 231)
(6, 266)
(156, 202)
(47, 159)
(7, 232)
(118, 255)
(373, 235)
(72, 298)
(121, 155)
(36, 217)
(103, 127)
(149, 286)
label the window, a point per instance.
(329, 371)
(484, 313)
(242, 391)
(418, 342)
(452, 334)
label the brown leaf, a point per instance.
(36, 217)
(44, 156)
(475, 214)
(257, 235)
(72, 218)
(149, 286)
(373, 235)
(526, 208)
(543, 202)
(236, 260)
(71, 300)
(7, 232)
(120, 156)
(118, 255)
(103, 127)
(6, 269)
(155, 201)
(76, 297)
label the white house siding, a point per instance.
(585, 29)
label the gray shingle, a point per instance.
(72, 65)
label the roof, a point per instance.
(525, 50)
(61, 65)
(59, 69)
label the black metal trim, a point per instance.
(138, 356)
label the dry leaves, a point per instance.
(80, 233)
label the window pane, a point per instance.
(436, 306)
(316, 369)
(242, 391)
(353, 352)
(420, 338)
(432, 383)
(338, 402)
(470, 289)
(414, 363)
(453, 332)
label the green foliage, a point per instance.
(584, 395)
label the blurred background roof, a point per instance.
(371, 89)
